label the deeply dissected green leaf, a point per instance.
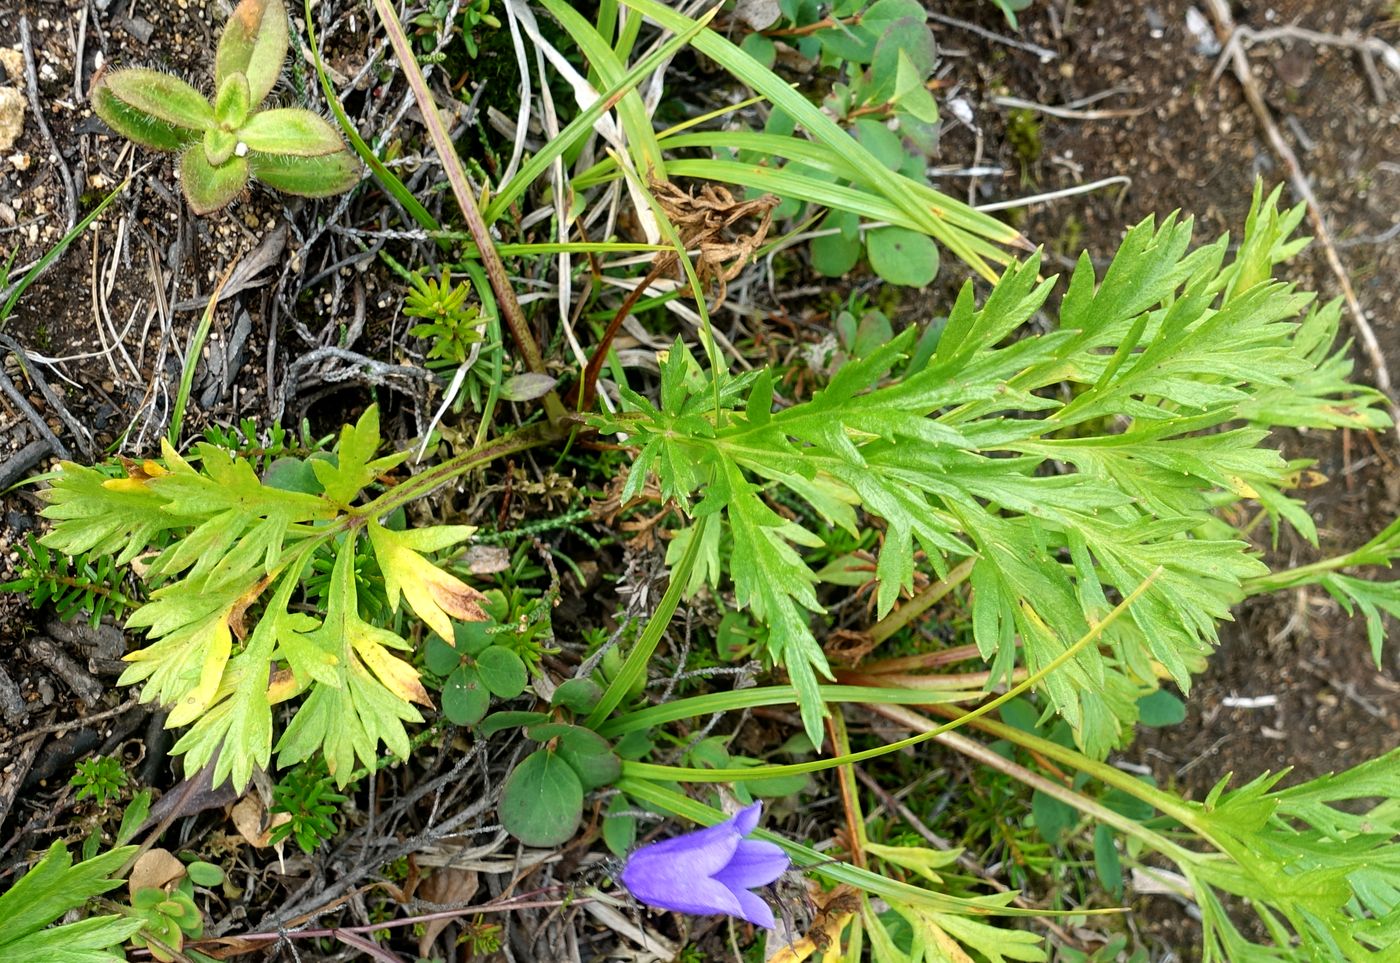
(435, 596)
(1372, 598)
(233, 726)
(373, 693)
(954, 458)
(355, 465)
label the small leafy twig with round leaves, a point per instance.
(224, 143)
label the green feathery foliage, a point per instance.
(1070, 464)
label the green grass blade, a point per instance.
(927, 213)
(636, 123)
(537, 165)
(55, 252)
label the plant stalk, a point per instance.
(461, 190)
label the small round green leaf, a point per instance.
(1106, 861)
(509, 719)
(619, 829)
(542, 801)
(1052, 817)
(834, 255)
(590, 756)
(760, 48)
(439, 657)
(464, 697)
(292, 475)
(472, 638)
(880, 141)
(902, 256)
(580, 695)
(204, 874)
(502, 671)
(1161, 708)
(547, 731)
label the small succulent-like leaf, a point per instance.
(207, 187)
(137, 125)
(290, 130)
(542, 800)
(161, 96)
(233, 101)
(465, 698)
(219, 146)
(308, 176)
(254, 43)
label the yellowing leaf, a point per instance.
(217, 641)
(398, 676)
(435, 596)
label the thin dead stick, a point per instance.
(1069, 113)
(1234, 50)
(466, 201)
(126, 706)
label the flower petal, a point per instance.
(746, 820)
(699, 854)
(754, 863)
(685, 893)
(755, 910)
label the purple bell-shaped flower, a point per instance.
(709, 871)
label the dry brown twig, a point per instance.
(1234, 53)
(701, 221)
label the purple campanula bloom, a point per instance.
(709, 871)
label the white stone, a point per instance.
(12, 107)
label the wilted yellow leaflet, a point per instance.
(217, 639)
(435, 596)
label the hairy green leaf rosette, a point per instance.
(225, 143)
(254, 44)
(290, 131)
(233, 102)
(136, 125)
(322, 176)
(207, 187)
(161, 96)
